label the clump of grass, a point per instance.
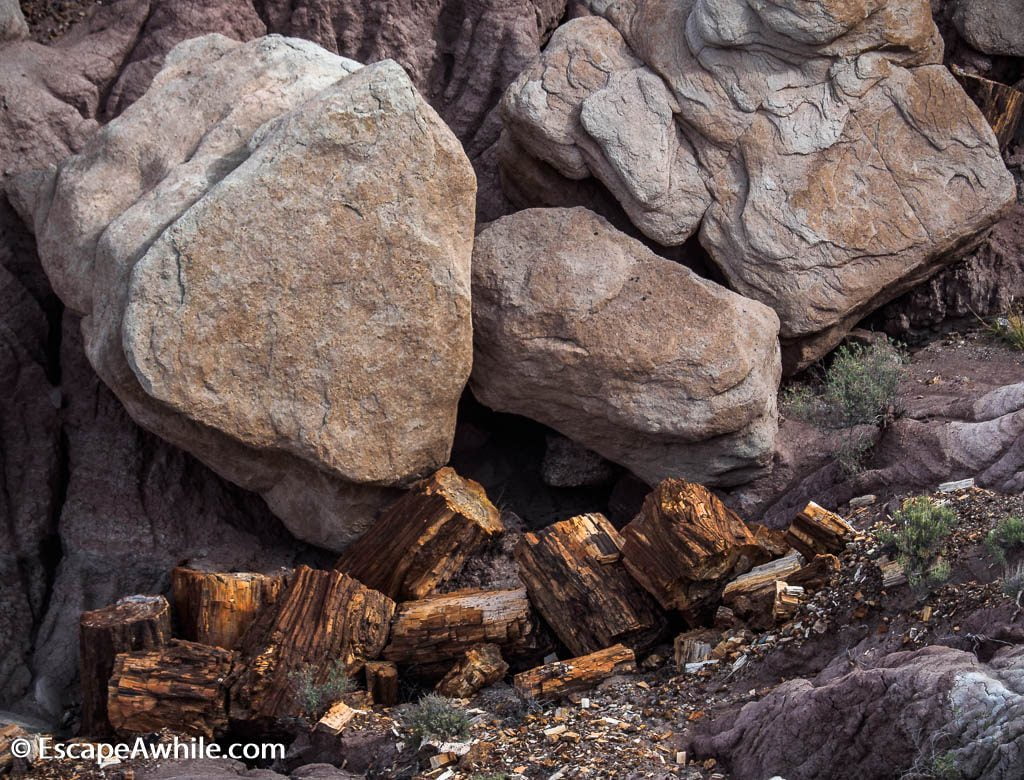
(436, 717)
(1010, 327)
(1013, 582)
(854, 448)
(1006, 536)
(315, 697)
(920, 529)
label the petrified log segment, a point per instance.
(480, 666)
(751, 596)
(424, 538)
(335, 719)
(817, 531)
(561, 678)
(133, 623)
(574, 573)
(686, 544)
(323, 618)
(382, 682)
(1002, 105)
(787, 600)
(181, 687)
(216, 608)
(816, 573)
(439, 629)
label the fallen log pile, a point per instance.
(256, 648)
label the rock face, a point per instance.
(991, 26)
(586, 330)
(12, 22)
(826, 157)
(305, 333)
(907, 710)
(987, 282)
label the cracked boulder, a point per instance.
(895, 718)
(635, 357)
(820, 150)
(991, 26)
(270, 251)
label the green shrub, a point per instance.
(315, 697)
(1013, 581)
(1006, 536)
(853, 450)
(920, 529)
(861, 383)
(859, 388)
(436, 717)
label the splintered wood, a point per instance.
(324, 618)
(686, 544)
(816, 530)
(480, 666)
(1002, 105)
(180, 687)
(424, 538)
(561, 678)
(434, 632)
(133, 623)
(576, 579)
(216, 608)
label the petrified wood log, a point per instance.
(815, 574)
(1002, 105)
(686, 544)
(561, 678)
(434, 632)
(323, 618)
(817, 531)
(574, 573)
(424, 538)
(751, 596)
(336, 719)
(480, 666)
(787, 599)
(133, 623)
(382, 682)
(216, 608)
(181, 687)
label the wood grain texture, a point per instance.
(1001, 105)
(133, 623)
(425, 538)
(434, 632)
(216, 608)
(180, 687)
(481, 666)
(323, 618)
(685, 545)
(817, 531)
(382, 682)
(574, 573)
(558, 679)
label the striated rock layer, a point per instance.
(826, 157)
(304, 333)
(586, 330)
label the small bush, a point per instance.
(859, 388)
(435, 717)
(861, 383)
(1010, 327)
(1006, 536)
(315, 697)
(920, 529)
(853, 451)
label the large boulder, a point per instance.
(12, 21)
(906, 712)
(584, 329)
(991, 26)
(271, 253)
(827, 159)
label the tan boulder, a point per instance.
(271, 248)
(826, 157)
(586, 330)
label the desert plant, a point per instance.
(920, 527)
(436, 717)
(861, 383)
(1007, 535)
(1013, 582)
(859, 388)
(1010, 327)
(315, 696)
(854, 447)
